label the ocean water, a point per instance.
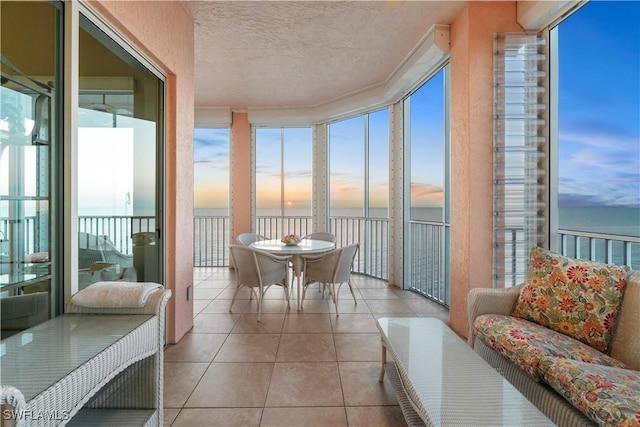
(608, 220)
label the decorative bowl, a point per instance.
(290, 239)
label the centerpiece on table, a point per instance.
(290, 239)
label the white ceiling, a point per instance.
(267, 54)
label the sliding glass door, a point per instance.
(30, 42)
(119, 135)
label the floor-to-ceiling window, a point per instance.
(29, 163)
(595, 117)
(211, 197)
(427, 230)
(283, 164)
(119, 168)
(359, 188)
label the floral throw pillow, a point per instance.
(578, 298)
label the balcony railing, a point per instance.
(118, 229)
(428, 260)
(211, 240)
(609, 248)
(428, 273)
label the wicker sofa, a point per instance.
(572, 382)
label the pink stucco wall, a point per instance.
(240, 174)
(163, 32)
(471, 149)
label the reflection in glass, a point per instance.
(117, 163)
(26, 138)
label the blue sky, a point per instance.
(599, 106)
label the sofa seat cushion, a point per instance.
(525, 343)
(609, 396)
(576, 297)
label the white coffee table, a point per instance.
(446, 382)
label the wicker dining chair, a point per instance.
(327, 237)
(330, 269)
(246, 239)
(258, 271)
(321, 235)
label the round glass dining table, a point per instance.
(305, 247)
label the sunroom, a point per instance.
(436, 138)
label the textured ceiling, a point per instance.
(303, 53)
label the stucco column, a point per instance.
(471, 149)
(240, 179)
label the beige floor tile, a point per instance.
(358, 347)
(305, 384)
(209, 323)
(294, 368)
(375, 416)
(383, 315)
(427, 308)
(275, 292)
(244, 293)
(232, 385)
(195, 348)
(249, 348)
(219, 417)
(180, 379)
(363, 282)
(381, 293)
(301, 322)
(169, 415)
(205, 293)
(306, 348)
(315, 306)
(353, 323)
(214, 284)
(347, 306)
(199, 305)
(361, 387)
(269, 324)
(278, 305)
(304, 417)
(390, 307)
(221, 306)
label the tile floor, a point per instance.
(307, 368)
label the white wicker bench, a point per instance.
(87, 367)
(441, 381)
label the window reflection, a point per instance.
(25, 169)
(118, 235)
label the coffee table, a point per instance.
(444, 382)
